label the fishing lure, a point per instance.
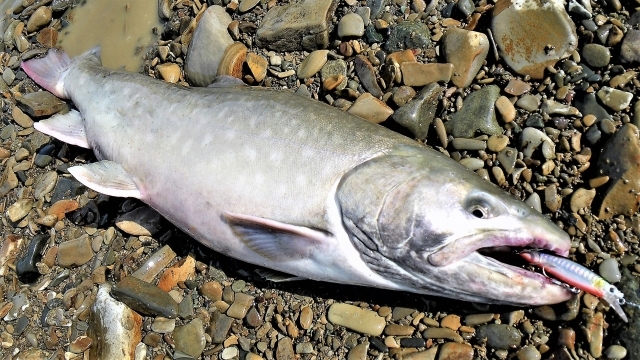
(578, 276)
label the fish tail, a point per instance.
(50, 71)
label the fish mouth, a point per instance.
(489, 261)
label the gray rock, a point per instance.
(367, 75)
(351, 25)
(41, 103)
(466, 7)
(507, 158)
(207, 46)
(587, 104)
(596, 55)
(376, 7)
(418, 113)
(477, 114)
(630, 49)
(499, 336)
(296, 25)
(144, 298)
(189, 338)
(408, 35)
(333, 68)
(219, 327)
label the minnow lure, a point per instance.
(578, 276)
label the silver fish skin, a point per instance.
(295, 185)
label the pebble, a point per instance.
(419, 74)
(212, 290)
(442, 333)
(246, 5)
(230, 353)
(115, 328)
(163, 325)
(233, 60)
(335, 68)
(208, 45)
(40, 103)
(77, 252)
(356, 319)
(615, 352)
(169, 72)
(306, 317)
(18, 210)
(499, 336)
(144, 298)
(21, 118)
(630, 48)
(240, 306)
(408, 35)
(39, 19)
(454, 351)
(506, 109)
(219, 327)
(596, 55)
(312, 64)
(466, 51)
(529, 102)
(351, 25)
(477, 114)
(609, 270)
(284, 349)
(582, 198)
(529, 353)
(287, 27)
(615, 99)
(595, 333)
(26, 266)
(371, 109)
(190, 338)
(517, 87)
(142, 221)
(497, 143)
(359, 352)
(367, 75)
(531, 138)
(468, 144)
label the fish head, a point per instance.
(426, 223)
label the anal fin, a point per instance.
(106, 177)
(275, 240)
(67, 127)
(277, 276)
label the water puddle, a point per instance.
(124, 29)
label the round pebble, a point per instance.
(615, 352)
(351, 25)
(609, 270)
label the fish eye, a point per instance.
(479, 211)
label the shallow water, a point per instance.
(122, 28)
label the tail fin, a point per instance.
(49, 71)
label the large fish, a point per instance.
(297, 186)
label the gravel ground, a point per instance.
(539, 99)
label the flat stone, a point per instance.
(418, 114)
(212, 290)
(284, 349)
(75, 252)
(351, 25)
(517, 87)
(189, 338)
(367, 75)
(419, 74)
(466, 50)
(356, 319)
(145, 298)
(529, 102)
(40, 103)
(208, 45)
(241, 304)
(398, 330)
(513, 24)
(615, 99)
(408, 35)
(21, 118)
(332, 69)
(455, 351)
(531, 138)
(596, 55)
(371, 109)
(630, 48)
(162, 325)
(499, 336)
(595, 334)
(115, 328)
(582, 198)
(296, 26)
(169, 72)
(19, 209)
(39, 19)
(497, 143)
(219, 327)
(477, 114)
(182, 271)
(619, 161)
(442, 333)
(312, 64)
(141, 221)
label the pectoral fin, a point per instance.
(275, 240)
(106, 177)
(67, 127)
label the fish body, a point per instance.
(578, 276)
(297, 186)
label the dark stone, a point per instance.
(535, 120)
(630, 49)
(478, 114)
(466, 7)
(447, 11)
(67, 188)
(185, 308)
(378, 344)
(219, 327)
(587, 104)
(372, 35)
(634, 19)
(578, 10)
(417, 114)
(367, 75)
(144, 298)
(408, 35)
(376, 7)
(499, 336)
(42, 160)
(628, 334)
(35, 141)
(26, 266)
(253, 318)
(412, 342)
(20, 325)
(593, 135)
